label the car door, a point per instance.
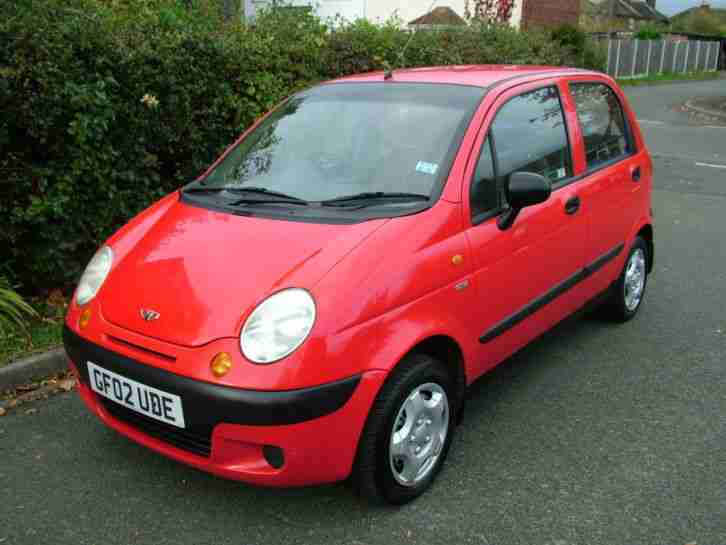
(611, 175)
(523, 276)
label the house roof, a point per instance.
(441, 16)
(630, 9)
(645, 11)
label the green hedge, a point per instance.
(105, 105)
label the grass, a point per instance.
(43, 333)
(669, 78)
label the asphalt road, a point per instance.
(596, 434)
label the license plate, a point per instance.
(138, 397)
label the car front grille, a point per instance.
(196, 443)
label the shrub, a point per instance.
(81, 152)
(586, 52)
(649, 32)
(105, 105)
(569, 36)
(13, 310)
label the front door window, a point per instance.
(530, 135)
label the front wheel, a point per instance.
(408, 433)
(628, 292)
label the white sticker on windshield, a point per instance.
(561, 173)
(427, 168)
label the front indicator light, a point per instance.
(84, 318)
(221, 364)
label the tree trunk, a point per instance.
(228, 9)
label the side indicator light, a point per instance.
(84, 319)
(457, 259)
(461, 286)
(221, 364)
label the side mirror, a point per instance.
(524, 189)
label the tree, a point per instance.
(491, 11)
(701, 21)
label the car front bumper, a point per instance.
(230, 432)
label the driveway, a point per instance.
(596, 434)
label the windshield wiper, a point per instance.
(371, 198)
(272, 196)
(268, 193)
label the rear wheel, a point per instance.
(627, 294)
(408, 432)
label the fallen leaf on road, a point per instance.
(31, 411)
(66, 384)
(2, 411)
(28, 387)
(61, 382)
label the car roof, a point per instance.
(477, 75)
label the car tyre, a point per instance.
(627, 294)
(390, 466)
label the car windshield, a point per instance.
(347, 139)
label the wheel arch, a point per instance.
(448, 351)
(646, 233)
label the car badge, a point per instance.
(149, 315)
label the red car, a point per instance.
(315, 305)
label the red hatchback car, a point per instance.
(315, 305)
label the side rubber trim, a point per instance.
(561, 288)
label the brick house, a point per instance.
(413, 13)
(525, 13)
(550, 13)
(438, 18)
(609, 15)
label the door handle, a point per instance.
(636, 174)
(572, 206)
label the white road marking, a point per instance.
(710, 165)
(679, 127)
(687, 157)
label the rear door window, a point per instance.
(603, 124)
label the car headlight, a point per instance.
(278, 326)
(94, 276)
